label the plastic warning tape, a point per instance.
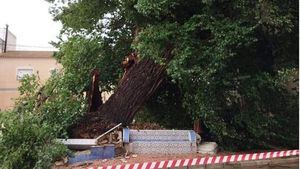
(203, 160)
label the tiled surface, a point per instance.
(159, 135)
(163, 147)
(161, 141)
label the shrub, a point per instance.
(41, 114)
(26, 142)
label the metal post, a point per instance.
(5, 42)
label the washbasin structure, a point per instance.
(160, 141)
(82, 144)
(95, 151)
(137, 142)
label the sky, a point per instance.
(31, 23)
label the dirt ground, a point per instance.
(133, 158)
(140, 158)
(279, 163)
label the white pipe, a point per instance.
(107, 132)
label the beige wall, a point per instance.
(8, 75)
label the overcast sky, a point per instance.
(30, 22)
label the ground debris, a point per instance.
(146, 125)
(123, 160)
(59, 163)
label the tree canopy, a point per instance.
(232, 64)
(231, 59)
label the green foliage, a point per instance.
(157, 37)
(230, 60)
(80, 55)
(25, 142)
(42, 114)
(165, 107)
(62, 108)
(155, 8)
(53, 103)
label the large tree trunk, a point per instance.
(136, 86)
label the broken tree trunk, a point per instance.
(94, 94)
(136, 86)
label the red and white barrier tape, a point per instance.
(204, 160)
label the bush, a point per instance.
(165, 108)
(26, 142)
(42, 114)
(256, 112)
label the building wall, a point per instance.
(8, 75)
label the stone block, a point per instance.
(128, 147)
(163, 147)
(160, 141)
(159, 135)
(207, 148)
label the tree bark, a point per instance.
(94, 94)
(136, 86)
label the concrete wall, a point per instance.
(276, 163)
(8, 75)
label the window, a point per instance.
(21, 72)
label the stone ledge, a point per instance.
(276, 163)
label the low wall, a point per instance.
(275, 159)
(277, 163)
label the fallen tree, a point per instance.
(228, 59)
(138, 83)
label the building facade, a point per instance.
(15, 64)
